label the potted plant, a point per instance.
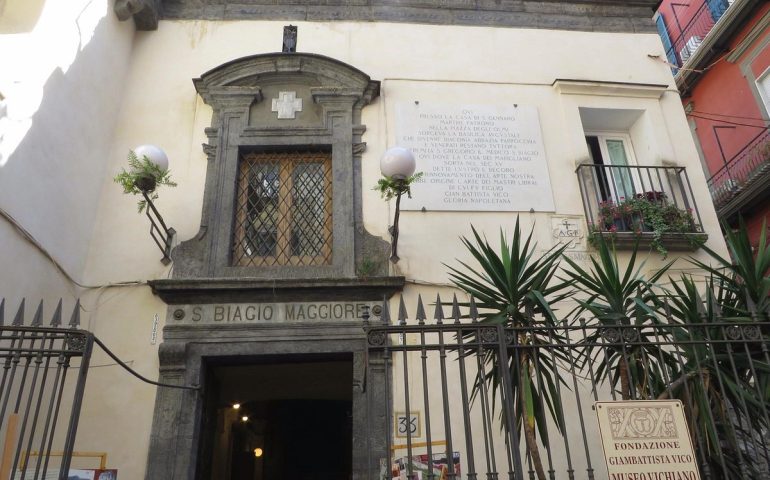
(145, 175)
(647, 212)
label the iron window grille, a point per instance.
(283, 213)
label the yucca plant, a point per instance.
(721, 383)
(514, 287)
(623, 300)
(730, 414)
(746, 273)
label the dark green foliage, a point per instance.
(389, 187)
(515, 287)
(142, 170)
(615, 298)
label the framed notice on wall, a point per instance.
(475, 157)
(646, 440)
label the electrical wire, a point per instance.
(696, 70)
(26, 235)
(729, 122)
(731, 116)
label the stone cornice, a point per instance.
(609, 89)
(756, 32)
(212, 290)
(242, 76)
(584, 15)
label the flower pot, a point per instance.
(638, 224)
(146, 183)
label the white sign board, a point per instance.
(646, 440)
(475, 157)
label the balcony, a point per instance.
(695, 34)
(653, 207)
(743, 180)
(692, 28)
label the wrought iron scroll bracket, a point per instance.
(160, 233)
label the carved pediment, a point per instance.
(316, 71)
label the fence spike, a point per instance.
(402, 315)
(19, 318)
(2, 312)
(716, 311)
(700, 307)
(56, 320)
(438, 316)
(473, 311)
(385, 317)
(751, 305)
(667, 310)
(420, 315)
(37, 320)
(75, 319)
(455, 308)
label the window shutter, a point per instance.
(717, 8)
(663, 32)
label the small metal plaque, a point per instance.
(408, 425)
(646, 440)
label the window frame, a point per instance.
(764, 94)
(286, 168)
(240, 94)
(628, 147)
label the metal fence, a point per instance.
(748, 166)
(43, 377)
(475, 400)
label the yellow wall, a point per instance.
(121, 89)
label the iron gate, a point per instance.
(41, 389)
(453, 387)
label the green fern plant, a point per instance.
(142, 176)
(390, 187)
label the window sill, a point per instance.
(673, 242)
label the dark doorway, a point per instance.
(279, 418)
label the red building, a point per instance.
(719, 51)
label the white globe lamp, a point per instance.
(154, 154)
(398, 163)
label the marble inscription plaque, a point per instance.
(475, 157)
(254, 313)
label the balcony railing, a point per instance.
(742, 172)
(641, 202)
(692, 33)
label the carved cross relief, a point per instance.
(287, 104)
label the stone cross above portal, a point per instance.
(287, 104)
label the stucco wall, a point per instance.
(726, 96)
(433, 64)
(62, 77)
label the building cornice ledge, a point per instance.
(217, 290)
(609, 89)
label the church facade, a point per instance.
(541, 111)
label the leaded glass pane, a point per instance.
(283, 209)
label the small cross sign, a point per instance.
(287, 104)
